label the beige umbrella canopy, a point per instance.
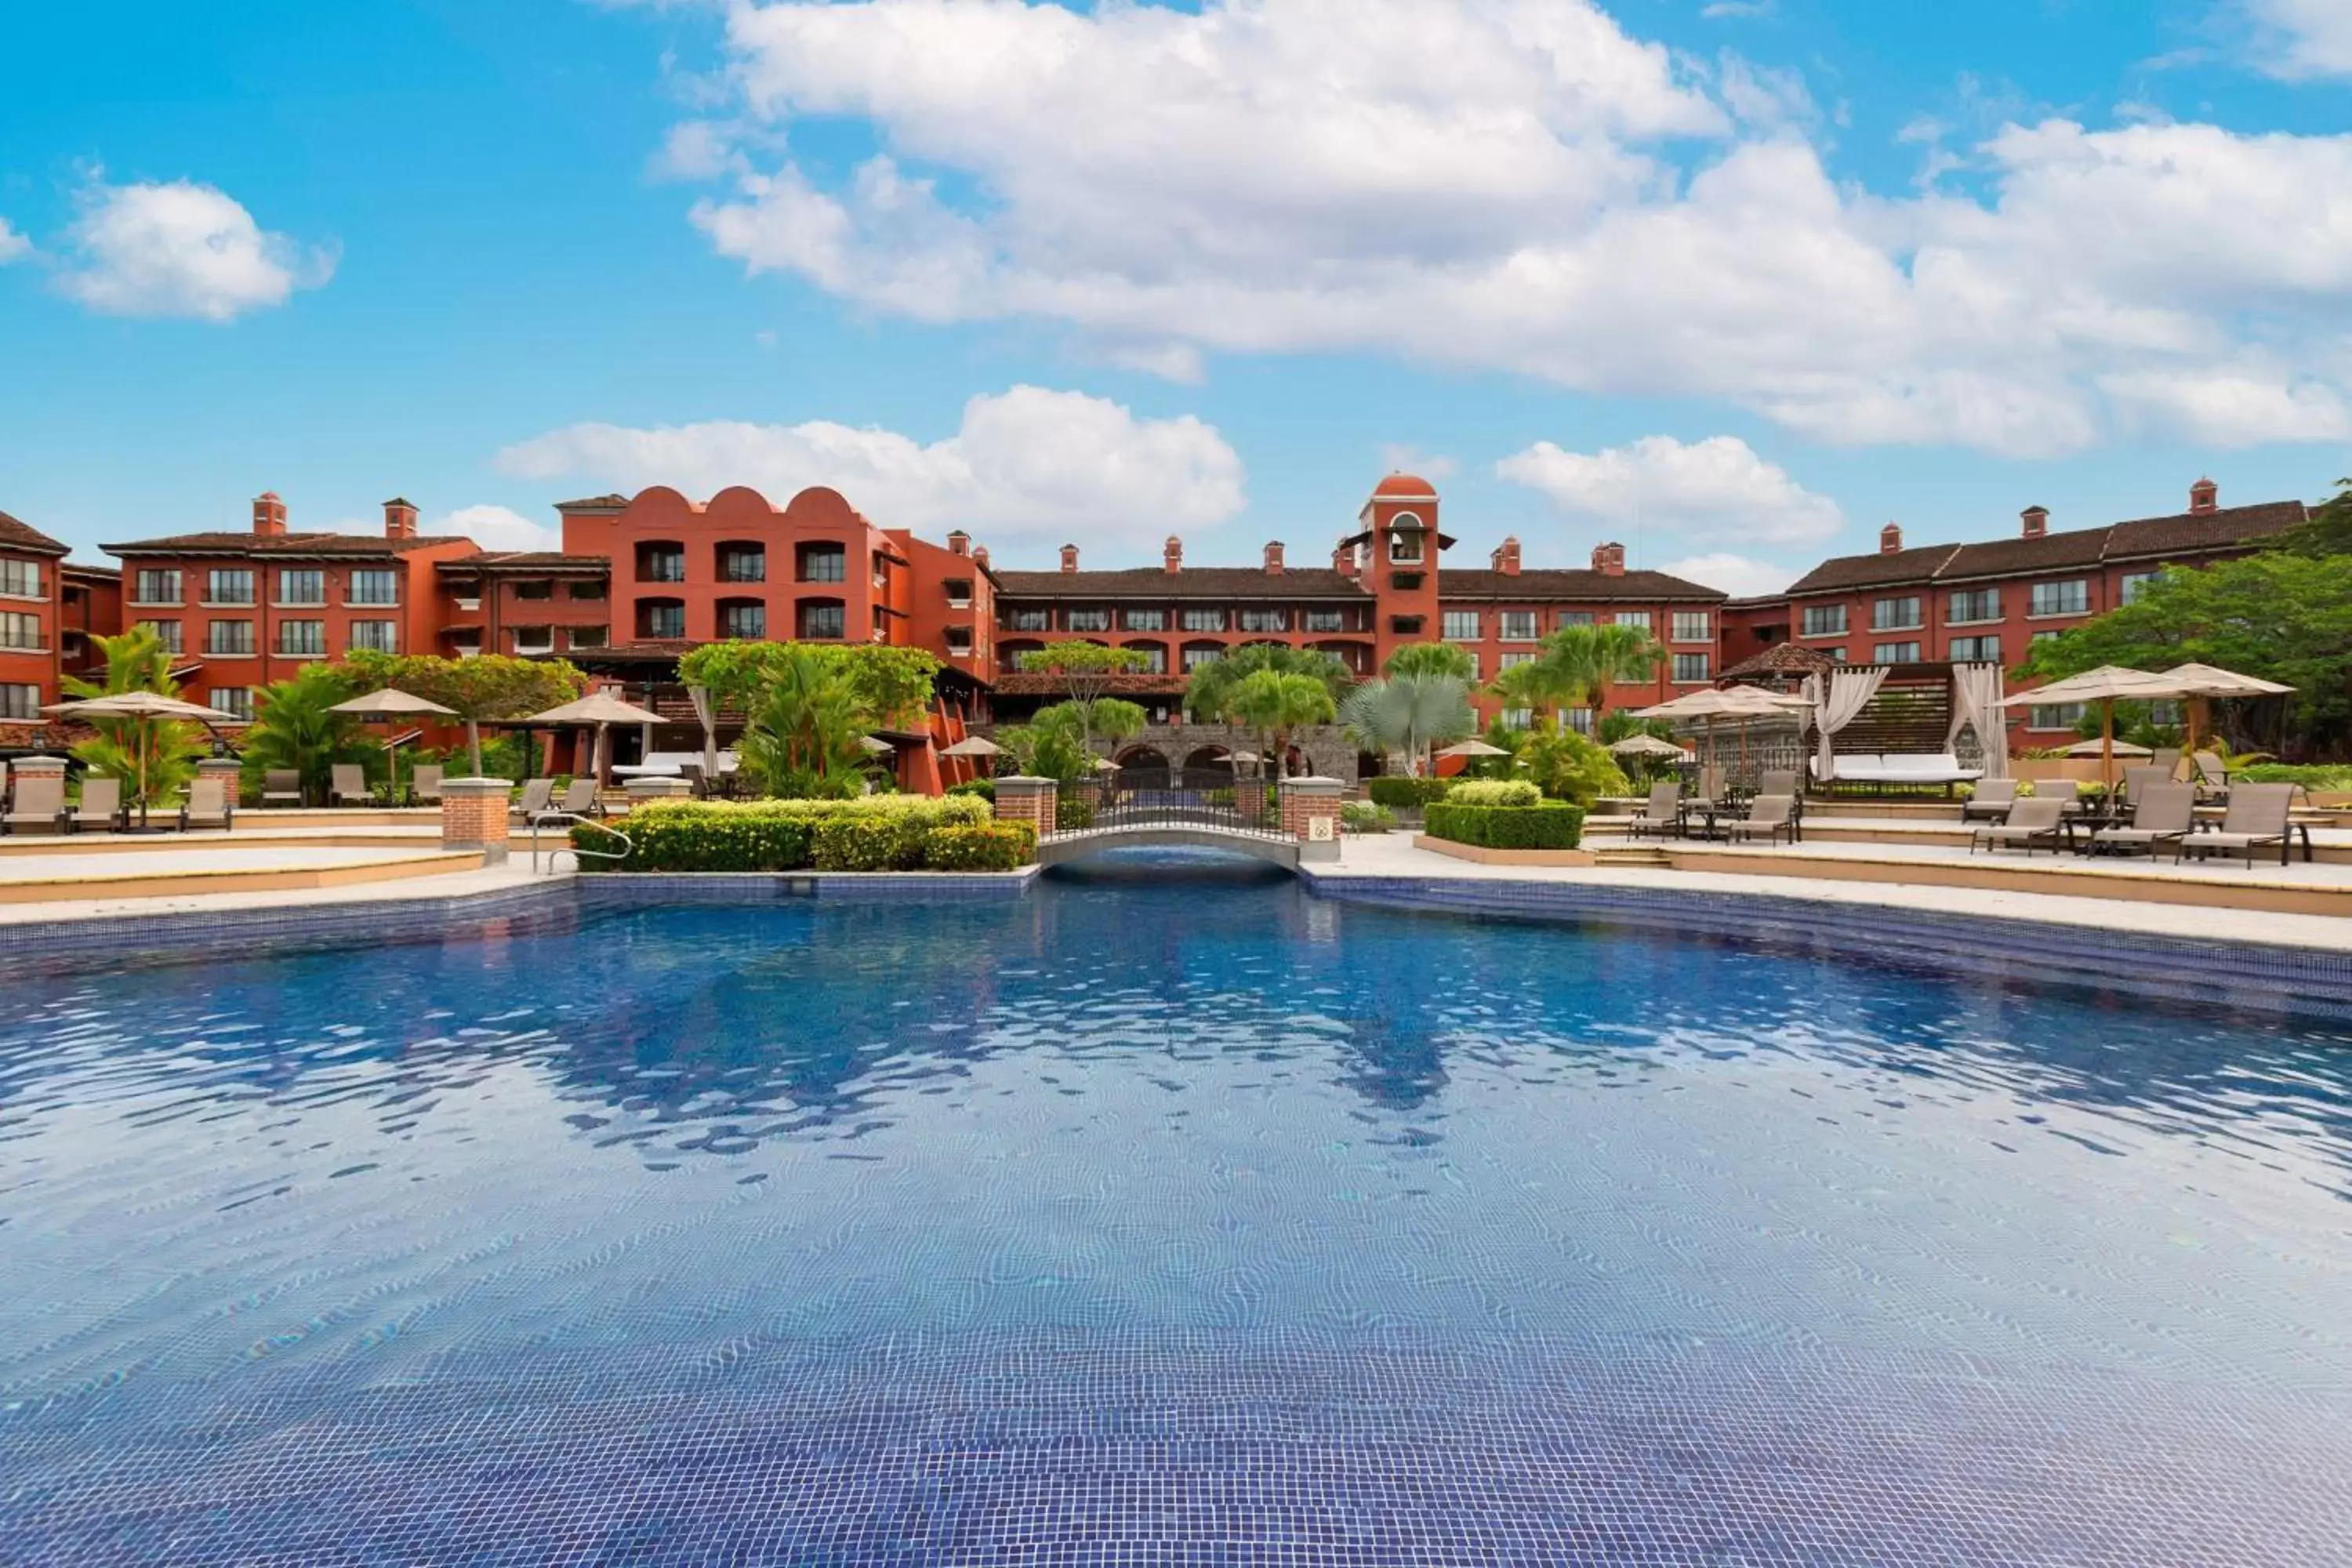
(1739, 704)
(2201, 683)
(874, 748)
(1648, 746)
(391, 703)
(2106, 686)
(600, 710)
(1473, 749)
(2125, 748)
(141, 705)
(972, 746)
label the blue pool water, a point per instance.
(1152, 1221)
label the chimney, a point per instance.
(2204, 497)
(1609, 559)
(1173, 555)
(979, 557)
(268, 515)
(1890, 539)
(1069, 558)
(1507, 557)
(959, 541)
(1343, 559)
(1273, 558)
(399, 519)
(2037, 520)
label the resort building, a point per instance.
(32, 620)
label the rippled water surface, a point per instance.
(1159, 1221)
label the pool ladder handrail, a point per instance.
(629, 845)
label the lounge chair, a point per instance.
(580, 799)
(2140, 778)
(1777, 781)
(425, 784)
(40, 803)
(1769, 816)
(536, 792)
(2161, 814)
(2068, 793)
(2257, 816)
(2168, 759)
(347, 784)
(2212, 778)
(1992, 802)
(282, 786)
(1662, 815)
(208, 806)
(102, 804)
(2033, 822)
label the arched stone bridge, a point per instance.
(1278, 823)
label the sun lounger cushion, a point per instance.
(1896, 767)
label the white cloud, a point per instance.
(13, 247)
(1717, 489)
(180, 248)
(1398, 457)
(1027, 464)
(1501, 185)
(1740, 576)
(497, 528)
(2222, 409)
(2305, 37)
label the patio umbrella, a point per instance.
(2201, 683)
(1472, 749)
(600, 710)
(142, 707)
(977, 748)
(2106, 686)
(2127, 749)
(389, 703)
(1740, 704)
(874, 748)
(1648, 746)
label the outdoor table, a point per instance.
(1710, 814)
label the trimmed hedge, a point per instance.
(984, 788)
(1554, 824)
(873, 833)
(1495, 792)
(1406, 794)
(1363, 817)
(980, 847)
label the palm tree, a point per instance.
(1432, 658)
(1575, 666)
(806, 729)
(1409, 713)
(154, 758)
(294, 726)
(1273, 703)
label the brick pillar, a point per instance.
(1310, 813)
(1029, 800)
(229, 771)
(474, 816)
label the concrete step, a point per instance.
(1630, 855)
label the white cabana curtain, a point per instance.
(1848, 692)
(703, 711)
(1975, 700)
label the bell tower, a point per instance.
(1401, 542)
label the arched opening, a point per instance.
(741, 561)
(1155, 652)
(661, 561)
(1209, 759)
(1008, 653)
(744, 618)
(1141, 757)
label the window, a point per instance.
(1089, 620)
(166, 633)
(232, 586)
(1971, 604)
(20, 701)
(2135, 583)
(1518, 717)
(960, 641)
(1029, 620)
(743, 620)
(301, 587)
(1204, 620)
(1690, 669)
(1477, 670)
(229, 639)
(1266, 620)
(1837, 653)
(534, 639)
(302, 640)
(1459, 625)
(375, 636)
(824, 563)
(1895, 653)
(959, 591)
(1578, 720)
(1512, 661)
(2044, 636)
(661, 562)
(237, 701)
(1634, 618)
(1155, 656)
(743, 563)
(2054, 716)
(20, 630)
(1576, 617)
(588, 637)
(585, 591)
(1898, 614)
(1144, 620)
(1326, 620)
(1824, 621)
(376, 585)
(537, 589)
(820, 618)
(663, 620)
(21, 579)
(2071, 598)
(1976, 650)
(1518, 625)
(1404, 545)
(1197, 654)
(1692, 626)
(156, 588)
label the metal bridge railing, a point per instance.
(1171, 797)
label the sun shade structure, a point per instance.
(599, 710)
(972, 746)
(1473, 749)
(874, 748)
(2106, 686)
(1648, 746)
(2127, 749)
(1740, 704)
(392, 703)
(143, 707)
(2201, 683)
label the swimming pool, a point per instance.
(1165, 1219)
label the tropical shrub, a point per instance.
(980, 847)
(487, 686)
(1566, 766)
(874, 841)
(295, 727)
(780, 835)
(1409, 712)
(1364, 816)
(1494, 792)
(1073, 814)
(159, 753)
(892, 685)
(1553, 825)
(1401, 794)
(2330, 776)
(984, 788)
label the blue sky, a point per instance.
(1735, 282)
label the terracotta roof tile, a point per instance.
(15, 535)
(1573, 586)
(2184, 533)
(1782, 659)
(1875, 570)
(1193, 582)
(242, 542)
(525, 559)
(2203, 531)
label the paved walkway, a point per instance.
(488, 879)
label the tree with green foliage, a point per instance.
(1087, 670)
(2328, 530)
(1280, 705)
(804, 735)
(894, 684)
(154, 758)
(2278, 615)
(1409, 713)
(1567, 766)
(484, 687)
(1208, 690)
(1575, 666)
(1620, 725)
(1115, 719)
(1432, 658)
(1052, 745)
(295, 727)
